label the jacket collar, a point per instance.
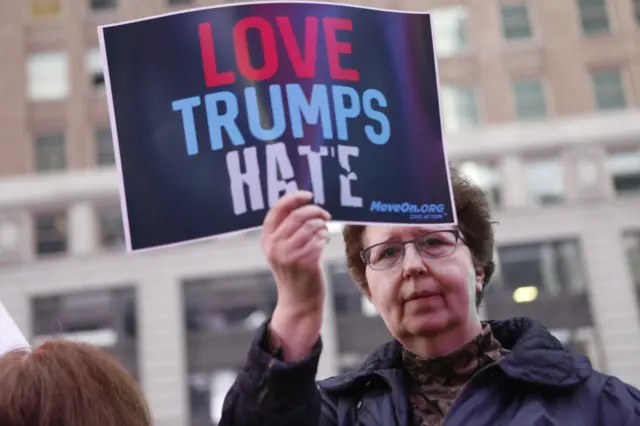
(535, 356)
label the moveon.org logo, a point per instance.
(381, 207)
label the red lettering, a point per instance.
(304, 68)
(335, 48)
(268, 40)
(212, 77)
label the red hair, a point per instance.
(64, 383)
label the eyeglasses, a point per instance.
(432, 245)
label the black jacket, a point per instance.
(537, 383)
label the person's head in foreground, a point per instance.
(443, 366)
(63, 383)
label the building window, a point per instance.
(450, 30)
(207, 393)
(486, 176)
(47, 76)
(549, 268)
(609, 89)
(233, 303)
(51, 233)
(104, 147)
(93, 63)
(530, 100)
(347, 298)
(100, 5)
(594, 17)
(45, 8)
(180, 2)
(459, 107)
(516, 25)
(637, 10)
(111, 227)
(544, 181)
(50, 152)
(105, 318)
(624, 167)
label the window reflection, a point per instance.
(553, 268)
(93, 64)
(103, 318)
(609, 90)
(450, 30)
(530, 99)
(594, 17)
(229, 303)
(516, 25)
(222, 314)
(105, 155)
(544, 280)
(50, 152)
(207, 392)
(544, 180)
(111, 231)
(347, 297)
(624, 167)
(459, 107)
(50, 232)
(47, 76)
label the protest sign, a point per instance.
(218, 112)
(10, 336)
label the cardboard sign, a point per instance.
(218, 112)
(10, 336)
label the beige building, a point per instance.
(541, 102)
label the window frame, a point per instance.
(503, 24)
(36, 244)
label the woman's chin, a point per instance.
(427, 323)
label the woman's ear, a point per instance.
(479, 278)
(366, 291)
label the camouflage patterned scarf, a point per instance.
(435, 384)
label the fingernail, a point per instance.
(317, 223)
(324, 233)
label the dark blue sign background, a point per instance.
(173, 197)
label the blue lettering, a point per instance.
(186, 107)
(253, 114)
(342, 112)
(216, 121)
(316, 108)
(385, 128)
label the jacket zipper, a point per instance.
(466, 389)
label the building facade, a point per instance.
(541, 104)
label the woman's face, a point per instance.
(418, 296)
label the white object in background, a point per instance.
(10, 336)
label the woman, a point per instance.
(63, 383)
(443, 367)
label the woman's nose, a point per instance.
(413, 263)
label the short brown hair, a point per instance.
(474, 221)
(64, 383)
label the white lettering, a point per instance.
(280, 175)
(346, 198)
(315, 170)
(250, 178)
